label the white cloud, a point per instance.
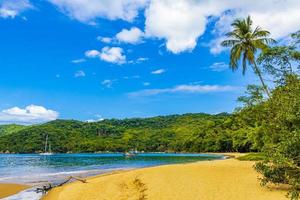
(94, 120)
(158, 71)
(13, 8)
(79, 73)
(179, 22)
(146, 83)
(98, 119)
(138, 61)
(279, 19)
(108, 83)
(182, 22)
(132, 36)
(29, 115)
(77, 61)
(92, 53)
(219, 66)
(108, 54)
(191, 89)
(88, 11)
(141, 59)
(113, 55)
(132, 77)
(105, 39)
(215, 45)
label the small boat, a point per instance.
(47, 152)
(131, 153)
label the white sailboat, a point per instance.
(47, 152)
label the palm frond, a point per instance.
(235, 55)
(229, 43)
(259, 32)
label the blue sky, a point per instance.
(95, 59)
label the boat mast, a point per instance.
(46, 143)
(49, 147)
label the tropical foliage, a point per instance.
(185, 133)
(245, 42)
(277, 119)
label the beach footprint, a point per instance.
(133, 190)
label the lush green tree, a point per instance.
(254, 96)
(280, 61)
(245, 43)
(281, 125)
(185, 133)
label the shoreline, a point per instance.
(9, 189)
(226, 179)
(17, 188)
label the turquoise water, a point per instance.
(36, 169)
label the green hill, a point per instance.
(188, 132)
(10, 128)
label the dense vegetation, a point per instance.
(10, 128)
(189, 133)
(276, 118)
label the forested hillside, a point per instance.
(189, 132)
(176, 133)
(10, 128)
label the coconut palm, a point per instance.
(244, 43)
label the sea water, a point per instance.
(36, 170)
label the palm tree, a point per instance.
(244, 43)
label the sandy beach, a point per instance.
(207, 180)
(10, 189)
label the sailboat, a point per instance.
(47, 152)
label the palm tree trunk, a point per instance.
(257, 71)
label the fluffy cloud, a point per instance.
(219, 66)
(30, 114)
(158, 71)
(88, 11)
(182, 22)
(105, 39)
(179, 22)
(191, 89)
(92, 53)
(113, 55)
(132, 36)
(108, 54)
(280, 18)
(79, 73)
(10, 9)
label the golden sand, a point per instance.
(10, 189)
(206, 180)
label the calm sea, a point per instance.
(37, 169)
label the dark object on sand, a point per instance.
(47, 188)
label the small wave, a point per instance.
(55, 177)
(29, 194)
